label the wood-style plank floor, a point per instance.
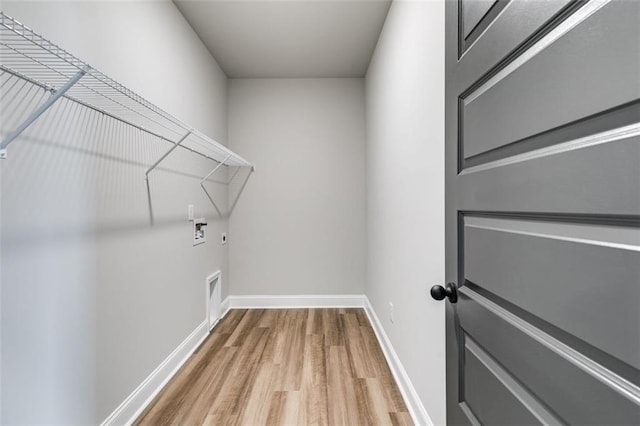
(283, 367)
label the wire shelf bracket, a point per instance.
(56, 94)
(233, 176)
(166, 154)
(204, 179)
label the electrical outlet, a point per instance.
(223, 238)
(190, 212)
(391, 311)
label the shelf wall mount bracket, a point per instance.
(204, 179)
(57, 94)
(166, 154)
(244, 184)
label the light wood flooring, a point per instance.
(286, 367)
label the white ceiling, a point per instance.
(288, 38)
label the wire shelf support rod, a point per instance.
(166, 154)
(57, 94)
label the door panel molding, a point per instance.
(623, 238)
(558, 276)
(472, 13)
(595, 219)
(613, 125)
(512, 388)
(473, 420)
(537, 43)
(603, 375)
(506, 108)
(542, 222)
(507, 35)
(470, 32)
(569, 181)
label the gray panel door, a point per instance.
(543, 212)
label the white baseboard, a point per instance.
(416, 408)
(135, 403)
(301, 301)
(224, 307)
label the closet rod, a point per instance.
(56, 94)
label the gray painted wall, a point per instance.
(299, 227)
(405, 191)
(93, 296)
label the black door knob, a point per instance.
(438, 292)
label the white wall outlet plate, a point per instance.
(190, 212)
(223, 238)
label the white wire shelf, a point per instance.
(29, 56)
